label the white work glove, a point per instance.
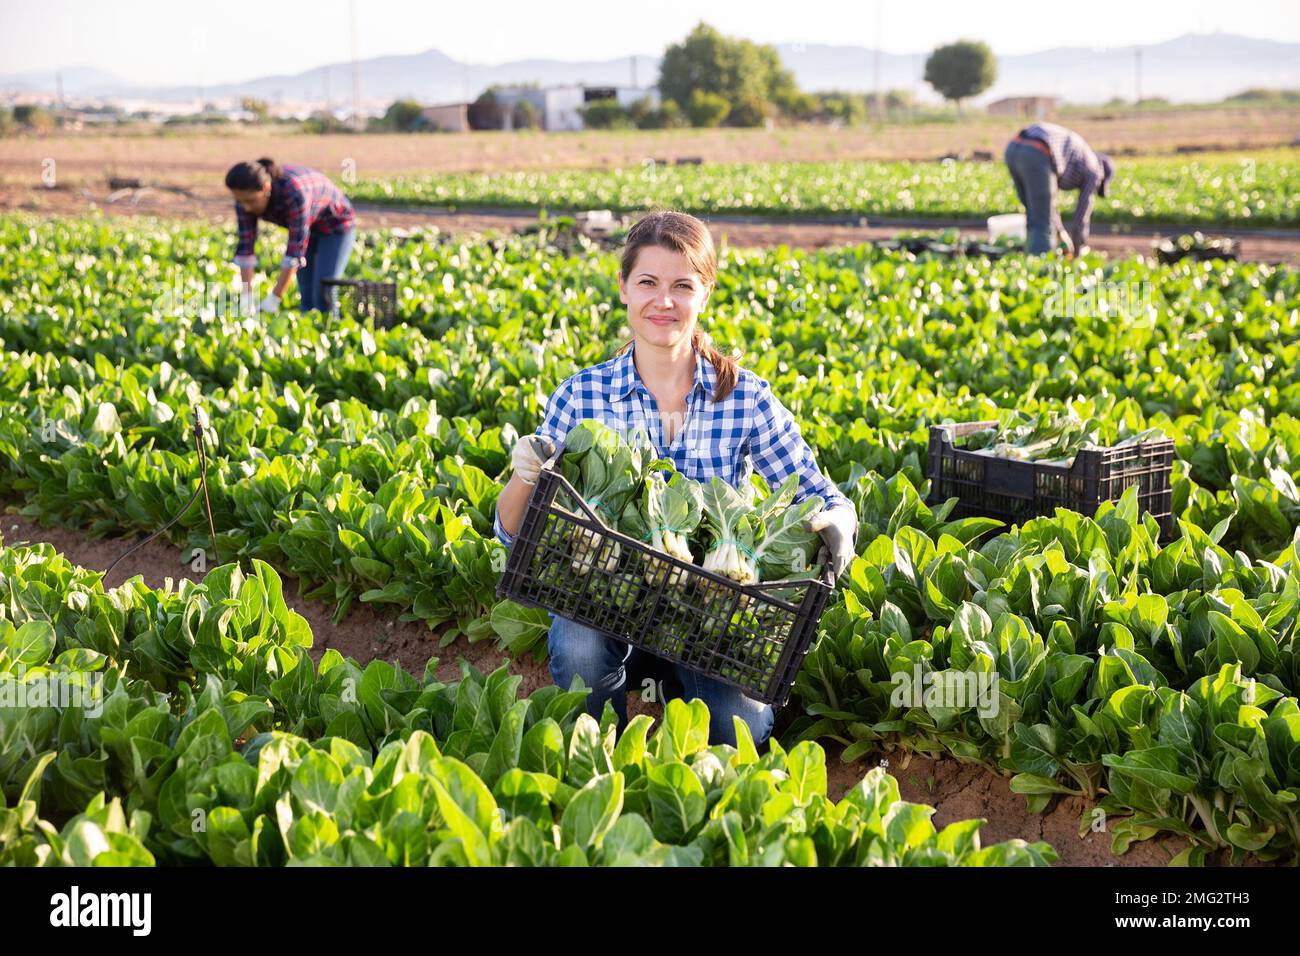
(271, 304)
(1068, 241)
(838, 526)
(530, 453)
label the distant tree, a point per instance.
(898, 100)
(707, 109)
(606, 114)
(7, 123)
(486, 112)
(961, 70)
(323, 122)
(1263, 95)
(749, 111)
(36, 118)
(848, 108)
(260, 109)
(526, 116)
(402, 116)
(669, 115)
(796, 104)
(740, 72)
(640, 110)
(672, 115)
(780, 81)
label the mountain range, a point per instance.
(1193, 67)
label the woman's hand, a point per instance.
(838, 526)
(527, 458)
(530, 453)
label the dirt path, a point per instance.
(210, 204)
(957, 791)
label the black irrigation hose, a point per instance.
(202, 488)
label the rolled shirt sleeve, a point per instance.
(777, 449)
(1081, 224)
(246, 250)
(502, 534)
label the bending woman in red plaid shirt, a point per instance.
(319, 218)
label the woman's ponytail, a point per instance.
(253, 177)
(727, 370)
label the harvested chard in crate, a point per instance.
(609, 542)
(1024, 468)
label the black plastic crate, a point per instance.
(376, 301)
(566, 560)
(1015, 491)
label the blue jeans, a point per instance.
(603, 664)
(326, 258)
(1035, 182)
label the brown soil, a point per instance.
(367, 632)
(961, 791)
(956, 790)
(208, 203)
(207, 154)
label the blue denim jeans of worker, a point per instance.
(1035, 182)
(327, 256)
(604, 664)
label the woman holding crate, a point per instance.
(319, 218)
(702, 411)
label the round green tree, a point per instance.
(961, 70)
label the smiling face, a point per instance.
(664, 296)
(253, 200)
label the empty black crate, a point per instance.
(1015, 491)
(566, 560)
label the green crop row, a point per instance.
(1257, 189)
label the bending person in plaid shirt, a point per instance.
(702, 411)
(1044, 158)
(318, 216)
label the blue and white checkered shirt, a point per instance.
(1077, 167)
(749, 429)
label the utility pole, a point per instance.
(356, 71)
(880, 94)
(634, 71)
(58, 82)
(1137, 73)
(916, 85)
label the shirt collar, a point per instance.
(625, 377)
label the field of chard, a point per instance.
(206, 706)
(1259, 189)
(1156, 680)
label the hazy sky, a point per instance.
(179, 42)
